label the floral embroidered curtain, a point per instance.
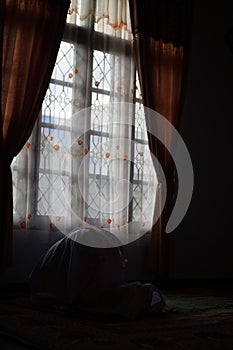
(76, 168)
(113, 13)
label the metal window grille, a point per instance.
(57, 112)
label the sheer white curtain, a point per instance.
(82, 164)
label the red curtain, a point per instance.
(30, 35)
(161, 43)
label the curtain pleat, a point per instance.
(115, 12)
(32, 31)
(161, 44)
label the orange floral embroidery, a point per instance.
(86, 150)
(76, 71)
(70, 75)
(109, 221)
(141, 154)
(28, 144)
(80, 142)
(125, 157)
(29, 216)
(85, 218)
(97, 83)
(134, 89)
(107, 155)
(51, 138)
(22, 224)
(56, 147)
(58, 218)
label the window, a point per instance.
(75, 123)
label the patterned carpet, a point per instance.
(191, 321)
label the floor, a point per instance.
(8, 344)
(180, 327)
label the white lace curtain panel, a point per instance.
(83, 163)
(114, 12)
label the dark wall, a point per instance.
(201, 247)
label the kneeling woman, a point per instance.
(74, 275)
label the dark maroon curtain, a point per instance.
(30, 35)
(161, 31)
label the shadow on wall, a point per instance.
(28, 247)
